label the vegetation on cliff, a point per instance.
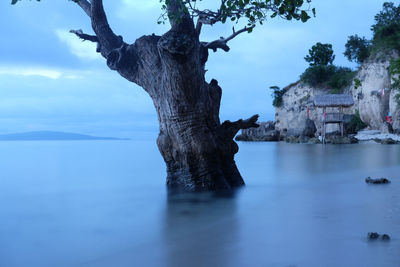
(322, 72)
(386, 39)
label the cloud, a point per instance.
(30, 71)
(129, 9)
(140, 4)
(84, 50)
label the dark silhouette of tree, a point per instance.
(357, 48)
(320, 55)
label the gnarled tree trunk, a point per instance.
(198, 150)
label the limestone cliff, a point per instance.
(374, 99)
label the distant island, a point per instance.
(51, 135)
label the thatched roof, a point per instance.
(333, 100)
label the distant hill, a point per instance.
(50, 135)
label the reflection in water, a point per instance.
(102, 204)
(200, 229)
(319, 159)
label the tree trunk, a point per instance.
(198, 150)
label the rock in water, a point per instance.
(373, 235)
(265, 132)
(382, 180)
(388, 141)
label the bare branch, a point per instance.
(230, 129)
(84, 36)
(222, 42)
(85, 5)
(87, 37)
(107, 39)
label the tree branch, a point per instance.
(85, 5)
(230, 129)
(87, 37)
(84, 36)
(107, 39)
(222, 42)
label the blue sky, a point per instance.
(50, 80)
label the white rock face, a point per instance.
(373, 96)
(374, 99)
(292, 115)
(395, 109)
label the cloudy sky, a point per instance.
(50, 80)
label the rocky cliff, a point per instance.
(373, 99)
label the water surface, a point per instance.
(104, 203)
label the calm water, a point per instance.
(104, 203)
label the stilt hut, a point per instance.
(335, 103)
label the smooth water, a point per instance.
(104, 203)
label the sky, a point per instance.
(50, 80)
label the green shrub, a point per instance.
(318, 75)
(277, 95)
(395, 72)
(387, 28)
(341, 78)
(357, 83)
(337, 78)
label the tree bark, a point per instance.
(197, 149)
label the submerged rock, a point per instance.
(375, 236)
(388, 141)
(382, 180)
(338, 140)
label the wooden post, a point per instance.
(324, 126)
(341, 120)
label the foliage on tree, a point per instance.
(395, 73)
(341, 78)
(386, 29)
(322, 72)
(277, 95)
(320, 55)
(336, 78)
(357, 83)
(357, 48)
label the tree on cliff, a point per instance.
(198, 150)
(320, 55)
(357, 48)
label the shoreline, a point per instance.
(361, 137)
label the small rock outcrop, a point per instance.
(340, 140)
(382, 180)
(376, 236)
(265, 132)
(387, 141)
